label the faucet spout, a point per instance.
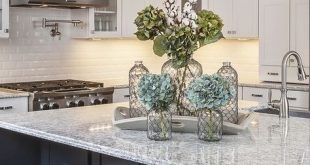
(284, 105)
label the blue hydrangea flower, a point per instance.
(209, 91)
(156, 91)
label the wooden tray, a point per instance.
(184, 124)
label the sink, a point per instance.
(293, 113)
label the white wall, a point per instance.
(31, 54)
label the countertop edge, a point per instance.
(79, 144)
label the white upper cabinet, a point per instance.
(129, 14)
(106, 21)
(299, 27)
(240, 17)
(4, 18)
(274, 31)
(284, 26)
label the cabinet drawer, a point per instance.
(14, 105)
(270, 73)
(121, 95)
(273, 73)
(297, 99)
(255, 94)
(240, 93)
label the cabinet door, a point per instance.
(129, 14)
(255, 94)
(121, 95)
(4, 18)
(224, 8)
(245, 19)
(274, 31)
(106, 21)
(299, 21)
(14, 105)
(297, 99)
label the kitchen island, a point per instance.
(267, 141)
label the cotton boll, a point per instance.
(185, 21)
(172, 14)
(193, 1)
(187, 7)
(193, 15)
(167, 4)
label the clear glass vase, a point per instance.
(135, 74)
(181, 78)
(159, 125)
(210, 125)
(230, 111)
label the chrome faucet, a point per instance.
(284, 105)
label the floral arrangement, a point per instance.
(178, 33)
(156, 91)
(209, 92)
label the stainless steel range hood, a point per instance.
(72, 4)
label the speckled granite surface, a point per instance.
(265, 142)
(6, 93)
(273, 85)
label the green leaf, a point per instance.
(159, 46)
(141, 36)
(206, 41)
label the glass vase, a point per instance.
(159, 125)
(135, 74)
(181, 78)
(230, 111)
(210, 125)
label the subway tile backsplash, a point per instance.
(30, 54)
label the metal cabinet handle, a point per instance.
(292, 98)
(6, 108)
(257, 95)
(6, 30)
(126, 96)
(273, 74)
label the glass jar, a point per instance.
(210, 125)
(230, 111)
(159, 125)
(181, 78)
(135, 74)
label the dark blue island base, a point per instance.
(19, 149)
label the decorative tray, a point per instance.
(185, 124)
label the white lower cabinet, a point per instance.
(121, 95)
(255, 94)
(297, 99)
(14, 105)
(240, 93)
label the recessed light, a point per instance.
(44, 5)
(83, 7)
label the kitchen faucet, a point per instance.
(284, 105)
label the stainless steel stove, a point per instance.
(48, 95)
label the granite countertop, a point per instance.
(7, 93)
(275, 85)
(255, 84)
(90, 128)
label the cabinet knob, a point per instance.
(6, 30)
